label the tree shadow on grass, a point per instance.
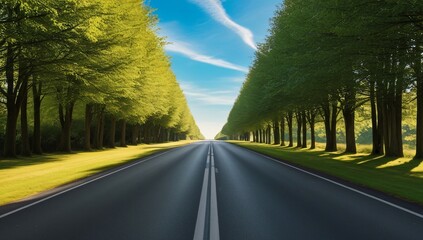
(323, 153)
(373, 161)
(370, 161)
(27, 161)
(47, 158)
(407, 167)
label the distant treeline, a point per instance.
(321, 61)
(85, 74)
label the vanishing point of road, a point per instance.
(211, 190)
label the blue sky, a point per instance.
(212, 44)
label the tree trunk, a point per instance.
(299, 125)
(259, 135)
(149, 133)
(135, 134)
(276, 132)
(399, 147)
(154, 131)
(334, 117)
(282, 130)
(392, 108)
(312, 135)
(311, 118)
(269, 134)
(349, 132)
(349, 119)
(380, 115)
(10, 136)
(167, 137)
(88, 120)
(101, 135)
(123, 133)
(26, 149)
(65, 117)
(419, 128)
(112, 133)
(304, 127)
(289, 120)
(22, 99)
(99, 127)
(145, 133)
(11, 105)
(140, 134)
(326, 119)
(163, 134)
(36, 96)
(377, 140)
(160, 134)
(157, 134)
(330, 117)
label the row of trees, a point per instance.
(324, 59)
(99, 62)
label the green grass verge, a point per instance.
(400, 177)
(23, 177)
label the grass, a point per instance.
(23, 177)
(400, 177)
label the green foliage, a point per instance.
(100, 53)
(221, 136)
(346, 55)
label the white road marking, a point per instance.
(341, 185)
(208, 157)
(214, 218)
(82, 184)
(200, 227)
(201, 216)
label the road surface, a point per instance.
(211, 190)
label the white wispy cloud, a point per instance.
(208, 97)
(218, 13)
(184, 49)
(239, 79)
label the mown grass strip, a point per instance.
(23, 177)
(400, 177)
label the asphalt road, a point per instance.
(212, 190)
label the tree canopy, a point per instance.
(322, 60)
(70, 70)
